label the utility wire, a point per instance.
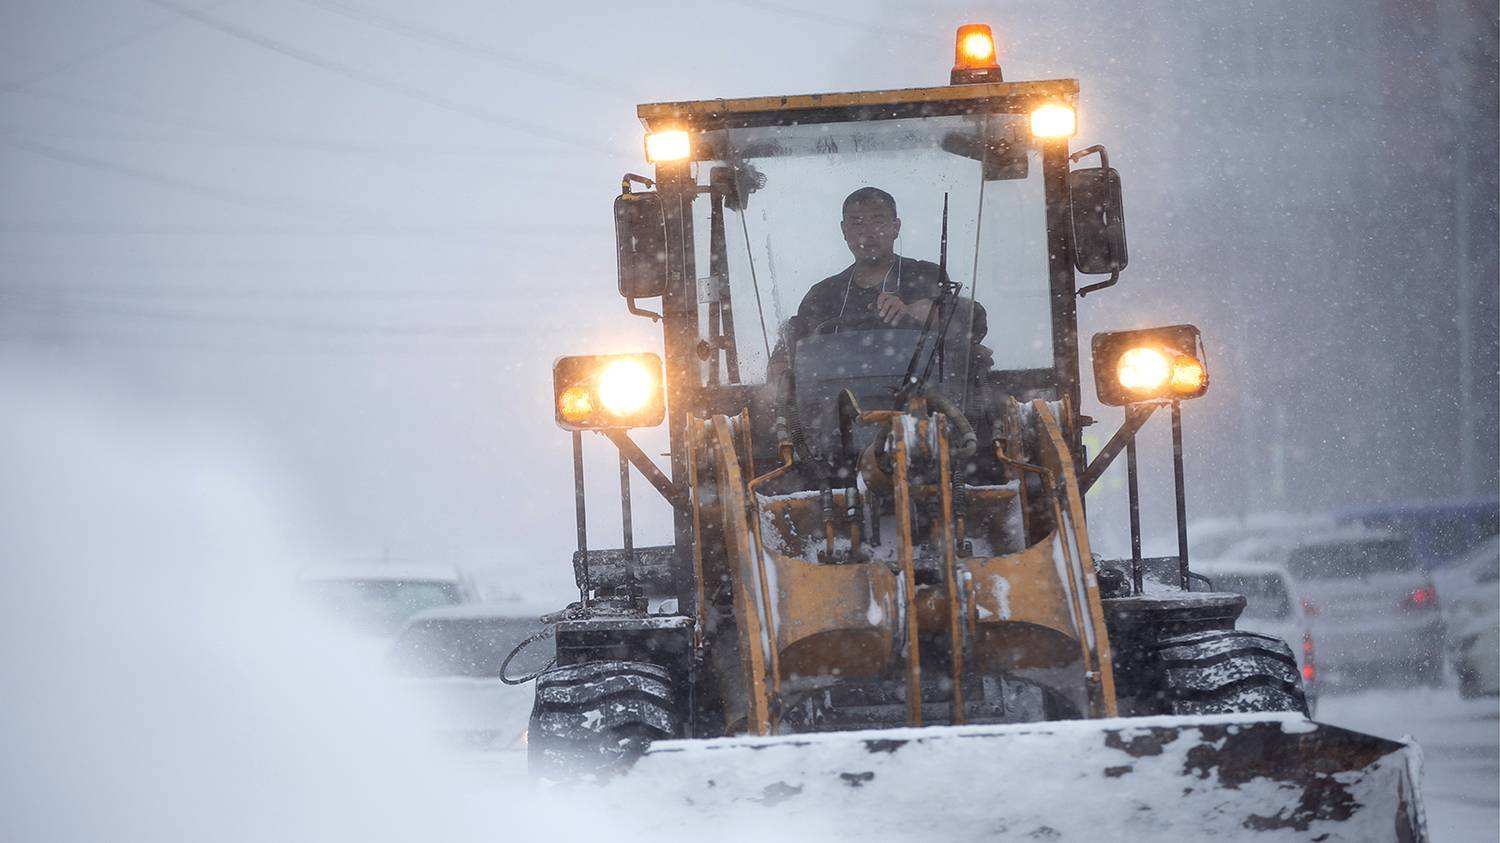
(25, 79)
(531, 66)
(393, 151)
(297, 326)
(257, 201)
(526, 229)
(159, 179)
(832, 20)
(52, 290)
(348, 71)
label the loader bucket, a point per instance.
(1220, 777)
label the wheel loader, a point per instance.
(881, 603)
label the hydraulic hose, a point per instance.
(968, 441)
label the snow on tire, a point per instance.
(594, 719)
(1230, 671)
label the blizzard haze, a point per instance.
(281, 283)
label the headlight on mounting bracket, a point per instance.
(1150, 364)
(608, 391)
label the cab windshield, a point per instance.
(782, 227)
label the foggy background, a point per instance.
(281, 282)
(356, 234)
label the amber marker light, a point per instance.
(1143, 370)
(668, 145)
(1054, 120)
(1188, 375)
(575, 405)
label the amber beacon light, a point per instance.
(975, 58)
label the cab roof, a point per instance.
(854, 105)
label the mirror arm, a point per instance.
(1114, 277)
(655, 317)
(626, 179)
(1087, 151)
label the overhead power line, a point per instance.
(349, 71)
(491, 333)
(832, 20)
(477, 235)
(531, 66)
(82, 58)
(159, 179)
(527, 229)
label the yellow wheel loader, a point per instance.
(882, 604)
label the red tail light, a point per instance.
(1309, 608)
(1424, 597)
(1309, 664)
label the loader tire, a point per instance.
(594, 720)
(1229, 672)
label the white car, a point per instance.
(451, 658)
(1215, 538)
(1373, 612)
(375, 598)
(1470, 586)
(1273, 606)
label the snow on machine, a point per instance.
(881, 603)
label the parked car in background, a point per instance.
(1213, 538)
(375, 598)
(1273, 606)
(1470, 586)
(452, 658)
(1440, 530)
(1373, 612)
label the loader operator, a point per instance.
(881, 288)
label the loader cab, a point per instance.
(750, 193)
(740, 221)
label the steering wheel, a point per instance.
(860, 321)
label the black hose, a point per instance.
(968, 441)
(522, 680)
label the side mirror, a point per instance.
(641, 245)
(1098, 221)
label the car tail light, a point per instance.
(1309, 608)
(1422, 597)
(1309, 663)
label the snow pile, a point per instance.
(1168, 778)
(161, 682)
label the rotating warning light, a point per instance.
(1054, 120)
(974, 55)
(668, 145)
(608, 391)
(1152, 364)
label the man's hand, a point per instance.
(891, 308)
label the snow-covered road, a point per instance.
(1460, 742)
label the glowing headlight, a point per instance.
(1144, 370)
(625, 387)
(1054, 120)
(668, 145)
(608, 391)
